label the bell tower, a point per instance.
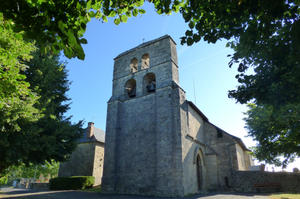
(144, 121)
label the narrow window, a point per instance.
(145, 61)
(130, 88)
(134, 65)
(219, 134)
(226, 182)
(149, 83)
(199, 172)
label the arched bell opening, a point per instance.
(145, 61)
(149, 83)
(134, 65)
(130, 88)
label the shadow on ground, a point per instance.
(66, 194)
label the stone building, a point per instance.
(87, 159)
(157, 142)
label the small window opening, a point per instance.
(226, 182)
(199, 172)
(145, 61)
(130, 88)
(134, 65)
(149, 83)
(219, 134)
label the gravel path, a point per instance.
(29, 194)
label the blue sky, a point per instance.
(203, 70)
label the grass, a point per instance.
(96, 189)
(285, 196)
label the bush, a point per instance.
(3, 180)
(73, 182)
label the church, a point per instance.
(156, 141)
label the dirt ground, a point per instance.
(31, 194)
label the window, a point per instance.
(130, 88)
(149, 83)
(199, 171)
(145, 61)
(134, 65)
(219, 133)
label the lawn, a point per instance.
(285, 196)
(94, 189)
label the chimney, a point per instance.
(90, 130)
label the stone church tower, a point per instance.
(150, 148)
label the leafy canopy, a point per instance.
(52, 136)
(33, 171)
(265, 38)
(17, 100)
(60, 25)
(276, 130)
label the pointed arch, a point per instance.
(200, 167)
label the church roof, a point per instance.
(99, 136)
(145, 44)
(237, 139)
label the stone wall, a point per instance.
(244, 158)
(143, 133)
(86, 160)
(98, 163)
(81, 162)
(225, 147)
(244, 181)
(193, 143)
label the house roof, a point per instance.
(237, 139)
(99, 136)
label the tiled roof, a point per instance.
(99, 136)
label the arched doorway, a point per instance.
(199, 171)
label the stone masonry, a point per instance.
(88, 157)
(157, 142)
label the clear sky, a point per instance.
(203, 71)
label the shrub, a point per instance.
(73, 182)
(3, 180)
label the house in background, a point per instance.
(87, 159)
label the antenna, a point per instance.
(143, 40)
(194, 91)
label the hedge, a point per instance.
(73, 182)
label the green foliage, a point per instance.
(16, 99)
(74, 182)
(265, 38)
(3, 180)
(276, 130)
(31, 171)
(60, 25)
(52, 136)
(96, 189)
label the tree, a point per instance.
(60, 25)
(276, 131)
(265, 38)
(17, 100)
(30, 171)
(52, 136)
